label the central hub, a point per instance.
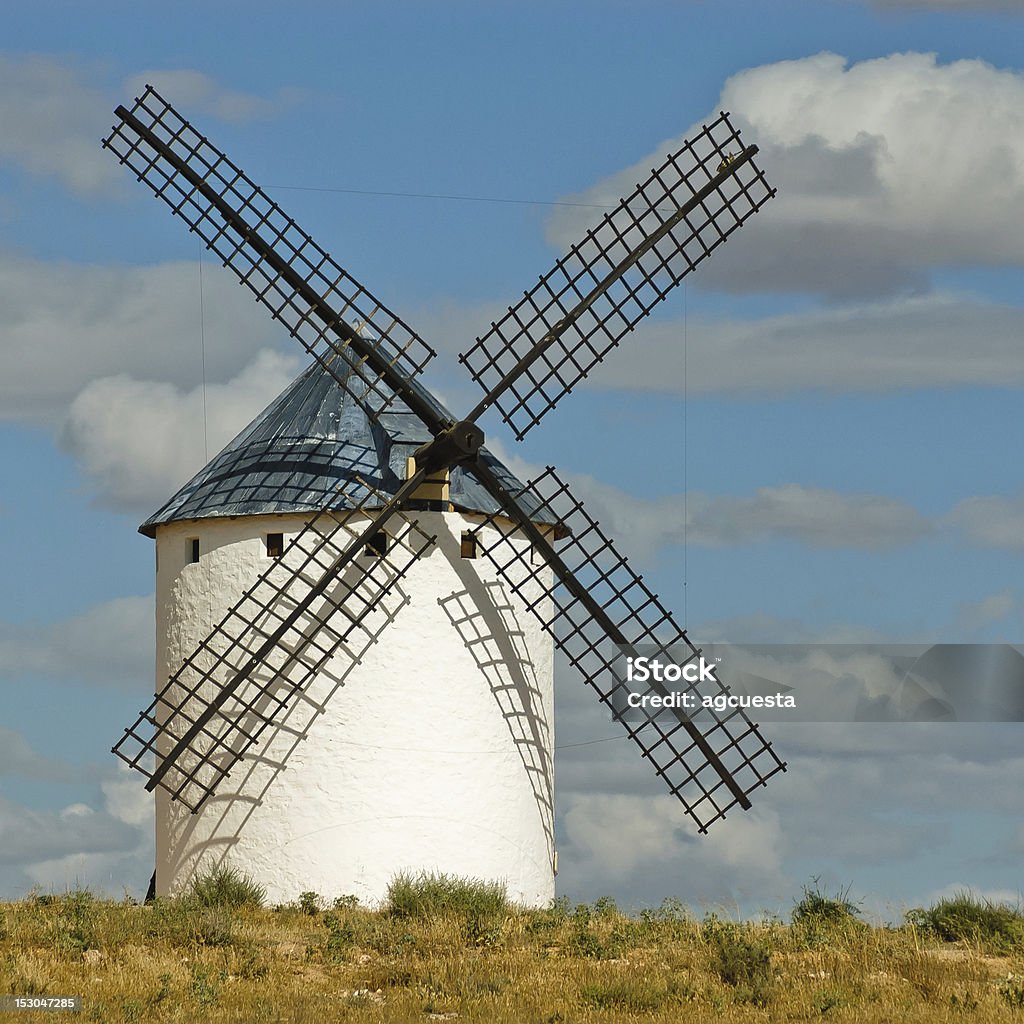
(458, 443)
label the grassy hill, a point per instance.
(444, 949)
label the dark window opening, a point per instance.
(377, 545)
(469, 544)
(193, 545)
(275, 545)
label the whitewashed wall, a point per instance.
(435, 751)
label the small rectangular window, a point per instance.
(378, 545)
(469, 544)
(275, 545)
(193, 548)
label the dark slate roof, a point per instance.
(313, 437)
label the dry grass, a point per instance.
(178, 961)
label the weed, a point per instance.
(131, 1011)
(205, 990)
(549, 919)
(828, 1000)
(430, 895)
(741, 958)
(819, 907)
(225, 887)
(820, 918)
(965, 1002)
(164, 990)
(252, 965)
(635, 996)
(964, 918)
(213, 926)
(310, 903)
(73, 929)
(1011, 991)
(484, 930)
(341, 935)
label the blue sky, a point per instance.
(845, 430)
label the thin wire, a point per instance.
(588, 743)
(434, 195)
(686, 489)
(202, 342)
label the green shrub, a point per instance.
(965, 918)
(1011, 991)
(819, 917)
(429, 895)
(548, 918)
(741, 958)
(226, 887)
(817, 907)
(205, 989)
(73, 930)
(310, 903)
(341, 935)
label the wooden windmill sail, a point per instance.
(215, 709)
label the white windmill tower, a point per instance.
(357, 602)
(439, 756)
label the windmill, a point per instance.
(341, 574)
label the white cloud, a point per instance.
(932, 341)
(814, 516)
(18, 758)
(109, 644)
(31, 836)
(886, 168)
(107, 847)
(55, 111)
(139, 440)
(192, 91)
(974, 616)
(53, 118)
(991, 521)
(65, 324)
(643, 847)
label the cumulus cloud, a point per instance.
(886, 169)
(641, 847)
(992, 521)
(932, 341)
(17, 757)
(814, 516)
(53, 116)
(54, 111)
(104, 844)
(901, 789)
(31, 836)
(66, 324)
(196, 92)
(109, 644)
(973, 617)
(139, 439)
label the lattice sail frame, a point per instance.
(534, 356)
(644, 622)
(217, 201)
(362, 599)
(569, 357)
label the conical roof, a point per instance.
(312, 438)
